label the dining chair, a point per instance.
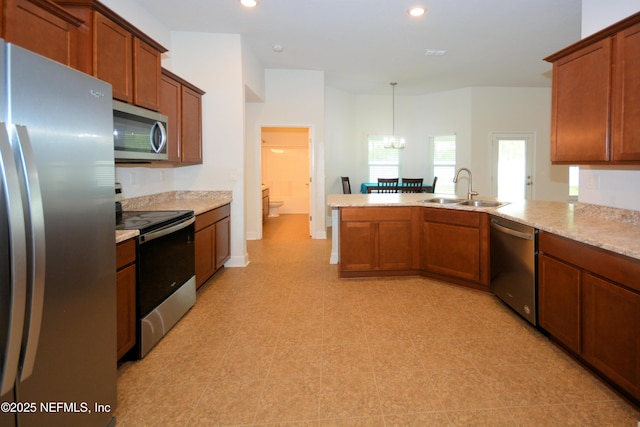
(411, 185)
(346, 185)
(388, 185)
(433, 186)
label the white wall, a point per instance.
(472, 114)
(516, 110)
(602, 185)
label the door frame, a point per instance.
(311, 166)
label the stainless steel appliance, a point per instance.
(57, 262)
(165, 282)
(514, 249)
(139, 135)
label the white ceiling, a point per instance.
(363, 45)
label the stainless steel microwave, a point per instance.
(139, 135)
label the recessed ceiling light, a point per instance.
(249, 3)
(277, 48)
(417, 11)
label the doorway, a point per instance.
(286, 168)
(513, 165)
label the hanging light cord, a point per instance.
(393, 108)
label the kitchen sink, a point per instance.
(483, 203)
(443, 201)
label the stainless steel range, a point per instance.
(165, 271)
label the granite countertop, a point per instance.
(616, 230)
(197, 201)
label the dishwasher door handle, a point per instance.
(510, 231)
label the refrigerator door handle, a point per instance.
(18, 263)
(38, 251)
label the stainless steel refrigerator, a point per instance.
(57, 248)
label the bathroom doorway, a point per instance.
(286, 168)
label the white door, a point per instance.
(513, 165)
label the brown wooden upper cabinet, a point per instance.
(181, 102)
(115, 51)
(596, 98)
(27, 23)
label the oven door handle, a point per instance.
(155, 234)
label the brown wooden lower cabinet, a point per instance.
(611, 328)
(456, 244)
(444, 243)
(559, 301)
(126, 296)
(378, 240)
(589, 301)
(212, 242)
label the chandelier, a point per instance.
(393, 140)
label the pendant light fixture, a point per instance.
(393, 141)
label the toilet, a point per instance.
(273, 207)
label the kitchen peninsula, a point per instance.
(588, 266)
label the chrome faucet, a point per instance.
(470, 192)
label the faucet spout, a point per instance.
(470, 192)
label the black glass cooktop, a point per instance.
(146, 221)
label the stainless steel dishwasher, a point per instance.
(514, 249)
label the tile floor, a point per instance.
(285, 342)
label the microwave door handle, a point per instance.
(38, 251)
(158, 127)
(17, 260)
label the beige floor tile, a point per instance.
(285, 342)
(245, 362)
(422, 419)
(346, 359)
(404, 392)
(463, 389)
(227, 403)
(396, 355)
(482, 417)
(296, 361)
(349, 396)
(289, 400)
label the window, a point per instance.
(574, 181)
(383, 162)
(443, 153)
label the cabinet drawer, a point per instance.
(453, 217)
(376, 214)
(207, 218)
(615, 267)
(125, 253)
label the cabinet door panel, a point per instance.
(223, 243)
(358, 246)
(395, 245)
(146, 75)
(452, 250)
(626, 108)
(580, 109)
(612, 331)
(28, 25)
(191, 125)
(126, 309)
(170, 106)
(205, 254)
(112, 57)
(559, 301)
